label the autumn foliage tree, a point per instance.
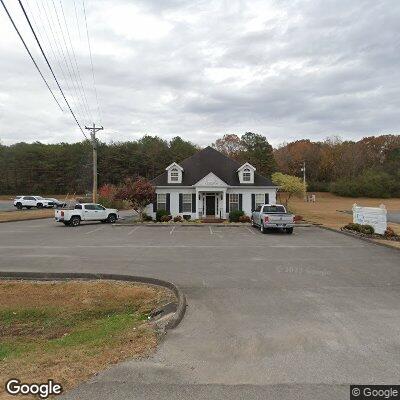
(139, 193)
(291, 185)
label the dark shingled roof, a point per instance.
(209, 160)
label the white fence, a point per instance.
(374, 216)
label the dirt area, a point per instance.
(68, 331)
(327, 209)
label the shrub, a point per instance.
(244, 218)
(160, 214)
(178, 218)
(390, 233)
(187, 217)
(367, 229)
(235, 215)
(298, 218)
(111, 203)
(166, 218)
(147, 217)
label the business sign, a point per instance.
(374, 216)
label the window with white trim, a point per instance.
(246, 175)
(259, 199)
(187, 202)
(161, 201)
(233, 202)
(174, 175)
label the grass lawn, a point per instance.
(326, 209)
(68, 331)
(22, 215)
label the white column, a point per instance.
(223, 205)
(197, 203)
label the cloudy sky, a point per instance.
(200, 69)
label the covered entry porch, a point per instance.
(211, 203)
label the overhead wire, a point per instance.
(49, 65)
(30, 54)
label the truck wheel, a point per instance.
(111, 218)
(75, 221)
(39, 205)
(19, 206)
(289, 230)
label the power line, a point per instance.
(51, 24)
(79, 91)
(48, 64)
(91, 61)
(30, 55)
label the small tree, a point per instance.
(291, 185)
(139, 193)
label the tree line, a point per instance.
(368, 167)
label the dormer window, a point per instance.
(246, 173)
(174, 173)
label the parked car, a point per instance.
(272, 216)
(57, 203)
(32, 201)
(86, 212)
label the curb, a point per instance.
(25, 219)
(65, 276)
(365, 239)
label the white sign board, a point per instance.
(374, 216)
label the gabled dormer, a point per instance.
(175, 172)
(246, 174)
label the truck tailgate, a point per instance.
(280, 218)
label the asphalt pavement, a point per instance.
(273, 316)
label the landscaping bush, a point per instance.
(111, 203)
(147, 217)
(235, 215)
(390, 233)
(160, 214)
(365, 229)
(166, 218)
(178, 218)
(298, 218)
(244, 218)
(187, 217)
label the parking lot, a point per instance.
(272, 314)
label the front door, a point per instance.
(210, 205)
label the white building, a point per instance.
(210, 185)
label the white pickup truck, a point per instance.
(86, 212)
(270, 216)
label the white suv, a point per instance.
(32, 201)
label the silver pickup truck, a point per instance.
(270, 216)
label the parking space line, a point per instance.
(211, 231)
(94, 230)
(251, 231)
(172, 230)
(133, 230)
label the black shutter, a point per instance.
(266, 198)
(253, 202)
(193, 202)
(168, 205)
(155, 204)
(180, 202)
(227, 202)
(240, 202)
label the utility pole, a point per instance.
(93, 131)
(304, 173)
